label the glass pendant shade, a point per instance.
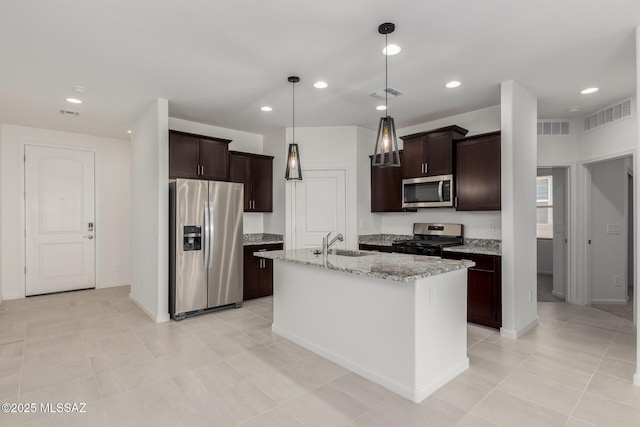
(386, 152)
(293, 171)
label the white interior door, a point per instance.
(59, 220)
(320, 200)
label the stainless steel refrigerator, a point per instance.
(205, 246)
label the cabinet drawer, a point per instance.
(483, 262)
(379, 248)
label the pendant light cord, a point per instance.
(293, 112)
(386, 75)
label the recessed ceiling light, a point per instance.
(589, 90)
(74, 100)
(78, 89)
(452, 84)
(381, 107)
(129, 132)
(320, 85)
(573, 109)
(266, 108)
(391, 49)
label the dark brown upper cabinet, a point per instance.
(478, 174)
(198, 157)
(255, 171)
(430, 153)
(386, 187)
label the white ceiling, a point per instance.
(218, 62)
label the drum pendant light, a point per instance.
(386, 152)
(294, 171)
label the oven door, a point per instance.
(428, 192)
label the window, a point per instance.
(544, 202)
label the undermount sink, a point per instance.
(345, 252)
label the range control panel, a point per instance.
(192, 240)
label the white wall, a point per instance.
(328, 148)
(253, 222)
(519, 153)
(608, 251)
(274, 144)
(368, 222)
(483, 225)
(112, 185)
(150, 211)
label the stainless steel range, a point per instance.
(429, 239)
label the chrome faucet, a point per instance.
(326, 244)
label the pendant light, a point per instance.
(386, 152)
(294, 171)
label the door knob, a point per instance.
(89, 237)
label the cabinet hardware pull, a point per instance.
(426, 167)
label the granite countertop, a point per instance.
(478, 246)
(261, 239)
(389, 266)
(382, 239)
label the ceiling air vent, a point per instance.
(391, 93)
(611, 114)
(553, 127)
(69, 113)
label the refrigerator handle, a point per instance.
(212, 234)
(205, 241)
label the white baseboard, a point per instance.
(621, 301)
(112, 285)
(557, 294)
(514, 334)
(160, 318)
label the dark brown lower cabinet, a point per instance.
(379, 248)
(258, 272)
(484, 288)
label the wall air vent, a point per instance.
(69, 113)
(553, 127)
(607, 115)
(391, 93)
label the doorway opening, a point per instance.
(552, 226)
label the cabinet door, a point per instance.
(482, 306)
(262, 184)
(252, 274)
(214, 159)
(240, 171)
(386, 188)
(478, 173)
(439, 156)
(266, 282)
(183, 156)
(414, 157)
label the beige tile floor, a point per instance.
(227, 369)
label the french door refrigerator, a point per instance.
(205, 246)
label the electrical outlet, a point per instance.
(617, 281)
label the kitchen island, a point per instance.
(398, 320)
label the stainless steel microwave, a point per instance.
(428, 192)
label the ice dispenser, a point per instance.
(192, 240)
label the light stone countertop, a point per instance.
(261, 239)
(382, 239)
(388, 266)
(478, 246)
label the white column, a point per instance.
(519, 153)
(636, 211)
(150, 211)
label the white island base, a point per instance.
(410, 337)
